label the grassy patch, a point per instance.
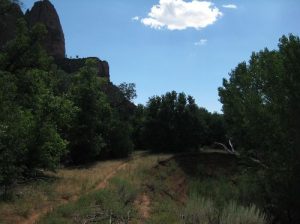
(114, 204)
(165, 183)
(204, 188)
(217, 191)
(222, 196)
(206, 211)
(64, 186)
(164, 211)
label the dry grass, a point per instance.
(137, 174)
(120, 198)
(136, 170)
(68, 185)
(75, 182)
(201, 210)
(155, 185)
(42, 196)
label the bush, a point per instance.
(204, 211)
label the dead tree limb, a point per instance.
(231, 151)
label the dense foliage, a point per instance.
(174, 123)
(32, 115)
(261, 104)
(48, 116)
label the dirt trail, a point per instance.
(142, 203)
(35, 216)
(103, 184)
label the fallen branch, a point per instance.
(233, 152)
(226, 148)
(259, 162)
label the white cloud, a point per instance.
(136, 18)
(201, 42)
(180, 15)
(230, 6)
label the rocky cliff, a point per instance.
(73, 65)
(44, 12)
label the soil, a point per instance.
(142, 203)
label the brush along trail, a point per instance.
(70, 184)
(148, 188)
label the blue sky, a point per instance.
(181, 45)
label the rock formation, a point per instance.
(45, 13)
(73, 65)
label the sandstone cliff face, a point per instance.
(44, 12)
(8, 23)
(104, 67)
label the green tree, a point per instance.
(25, 52)
(138, 127)
(119, 138)
(128, 90)
(87, 137)
(120, 97)
(15, 129)
(172, 123)
(33, 116)
(261, 109)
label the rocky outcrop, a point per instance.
(9, 16)
(73, 65)
(54, 43)
(45, 13)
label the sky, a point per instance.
(183, 45)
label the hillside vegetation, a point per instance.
(206, 187)
(69, 142)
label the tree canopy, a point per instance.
(174, 123)
(261, 105)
